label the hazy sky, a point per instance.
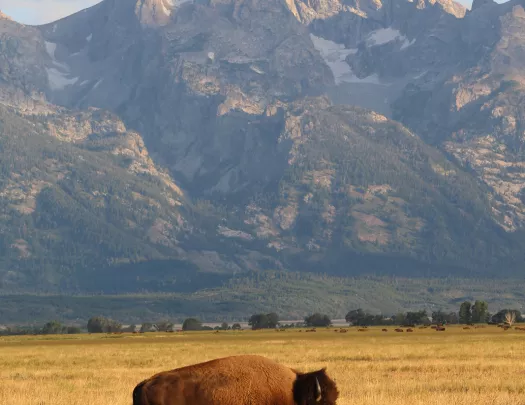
(44, 11)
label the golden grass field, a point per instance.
(474, 367)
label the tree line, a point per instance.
(468, 313)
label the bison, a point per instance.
(237, 380)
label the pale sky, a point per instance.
(44, 11)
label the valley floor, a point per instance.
(455, 367)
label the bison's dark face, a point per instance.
(315, 388)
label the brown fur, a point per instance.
(235, 380)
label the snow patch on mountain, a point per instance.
(407, 43)
(97, 83)
(385, 35)
(59, 80)
(50, 49)
(58, 75)
(334, 55)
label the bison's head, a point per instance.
(315, 388)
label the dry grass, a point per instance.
(455, 367)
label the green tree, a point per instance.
(480, 312)
(72, 330)
(399, 318)
(192, 324)
(273, 320)
(356, 317)
(258, 321)
(53, 328)
(224, 326)
(146, 327)
(318, 320)
(100, 324)
(164, 326)
(500, 316)
(236, 326)
(444, 318)
(416, 318)
(465, 314)
(264, 321)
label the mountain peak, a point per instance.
(156, 12)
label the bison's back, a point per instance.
(236, 380)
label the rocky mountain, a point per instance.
(173, 144)
(454, 78)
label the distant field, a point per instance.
(481, 366)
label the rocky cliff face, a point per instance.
(203, 88)
(341, 192)
(454, 77)
(475, 111)
(236, 113)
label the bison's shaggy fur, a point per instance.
(237, 380)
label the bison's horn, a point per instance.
(317, 390)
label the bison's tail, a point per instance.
(137, 394)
